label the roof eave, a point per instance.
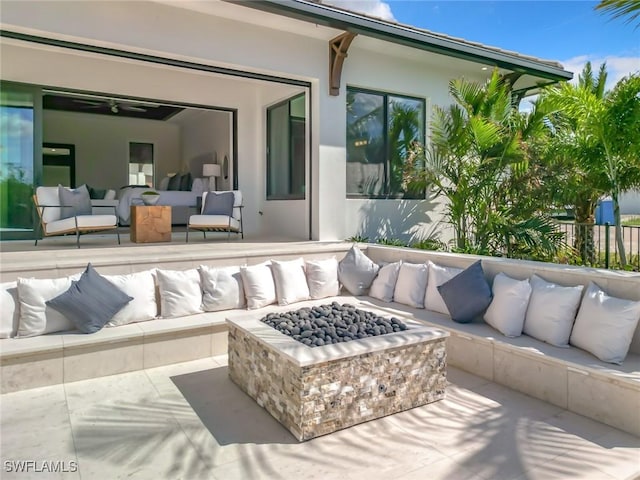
(352, 22)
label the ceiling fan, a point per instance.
(111, 104)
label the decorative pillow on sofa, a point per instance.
(221, 288)
(605, 325)
(185, 182)
(322, 278)
(9, 309)
(75, 201)
(218, 203)
(384, 284)
(437, 276)
(174, 182)
(142, 287)
(258, 284)
(467, 295)
(551, 311)
(90, 302)
(180, 292)
(509, 305)
(36, 318)
(356, 271)
(411, 284)
(290, 280)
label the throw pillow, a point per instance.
(36, 318)
(164, 183)
(74, 201)
(174, 182)
(218, 203)
(509, 305)
(96, 193)
(9, 309)
(185, 182)
(551, 311)
(221, 288)
(605, 325)
(142, 287)
(437, 276)
(180, 292)
(90, 302)
(411, 284)
(322, 278)
(384, 284)
(259, 286)
(356, 271)
(290, 280)
(467, 295)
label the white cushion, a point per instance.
(221, 221)
(605, 325)
(9, 309)
(507, 310)
(384, 284)
(438, 275)
(411, 284)
(259, 287)
(110, 195)
(180, 292)
(141, 286)
(36, 318)
(84, 221)
(221, 288)
(199, 186)
(322, 278)
(551, 311)
(290, 280)
(49, 196)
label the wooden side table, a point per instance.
(150, 223)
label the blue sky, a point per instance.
(571, 32)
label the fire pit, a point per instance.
(316, 391)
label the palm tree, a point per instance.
(622, 8)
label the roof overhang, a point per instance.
(328, 16)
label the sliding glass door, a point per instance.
(20, 160)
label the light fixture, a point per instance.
(485, 68)
(211, 170)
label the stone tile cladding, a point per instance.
(318, 399)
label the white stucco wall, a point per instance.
(179, 33)
(630, 203)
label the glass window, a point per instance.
(141, 171)
(286, 149)
(380, 131)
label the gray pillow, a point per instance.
(356, 271)
(218, 203)
(90, 302)
(77, 202)
(185, 182)
(174, 182)
(467, 295)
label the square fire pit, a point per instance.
(315, 391)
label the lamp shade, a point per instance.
(210, 170)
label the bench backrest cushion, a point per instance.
(322, 278)
(9, 309)
(49, 196)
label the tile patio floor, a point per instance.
(188, 421)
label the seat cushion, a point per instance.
(213, 221)
(84, 222)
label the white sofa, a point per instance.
(567, 377)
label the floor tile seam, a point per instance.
(73, 436)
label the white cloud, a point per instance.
(617, 67)
(374, 8)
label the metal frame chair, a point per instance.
(216, 225)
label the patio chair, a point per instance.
(52, 223)
(219, 223)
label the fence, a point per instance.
(595, 245)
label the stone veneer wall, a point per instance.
(318, 399)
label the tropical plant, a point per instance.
(392, 242)
(622, 8)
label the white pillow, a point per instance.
(164, 183)
(437, 276)
(551, 312)
(199, 185)
(36, 318)
(411, 284)
(221, 288)
(508, 308)
(9, 309)
(141, 286)
(322, 278)
(180, 292)
(384, 284)
(259, 286)
(291, 281)
(605, 325)
(110, 195)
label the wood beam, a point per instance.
(338, 48)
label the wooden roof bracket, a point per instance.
(338, 48)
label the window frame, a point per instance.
(387, 163)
